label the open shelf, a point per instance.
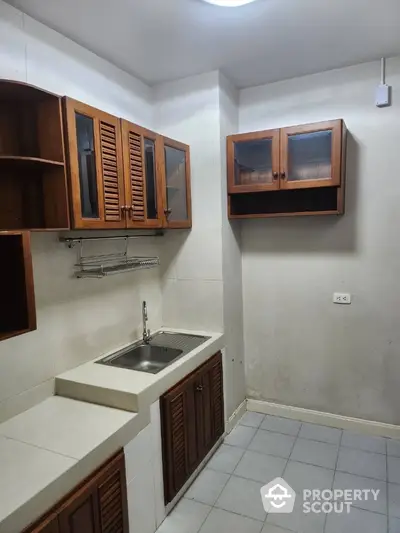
(284, 203)
(33, 184)
(17, 302)
(8, 160)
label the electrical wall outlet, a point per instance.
(342, 298)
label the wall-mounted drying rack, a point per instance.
(101, 265)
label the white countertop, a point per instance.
(132, 390)
(46, 451)
(49, 449)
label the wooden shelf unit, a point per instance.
(33, 186)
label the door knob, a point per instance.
(275, 175)
(167, 212)
(199, 388)
(283, 175)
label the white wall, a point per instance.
(77, 319)
(301, 349)
(202, 268)
(231, 260)
(188, 110)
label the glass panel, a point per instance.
(87, 166)
(253, 162)
(151, 190)
(175, 162)
(310, 156)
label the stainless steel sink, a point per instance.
(162, 349)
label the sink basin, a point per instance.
(163, 349)
(146, 358)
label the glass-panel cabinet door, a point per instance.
(87, 166)
(253, 161)
(311, 155)
(143, 203)
(177, 195)
(95, 167)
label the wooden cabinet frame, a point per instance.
(99, 118)
(162, 143)
(274, 135)
(335, 126)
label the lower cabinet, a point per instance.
(99, 505)
(192, 421)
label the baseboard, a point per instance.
(235, 417)
(325, 419)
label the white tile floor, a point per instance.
(225, 498)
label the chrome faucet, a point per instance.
(146, 331)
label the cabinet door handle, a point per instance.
(283, 175)
(167, 212)
(275, 175)
(199, 388)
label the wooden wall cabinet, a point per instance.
(192, 421)
(95, 167)
(123, 175)
(99, 505)
(292, 171)
(174, 161)
(17, 302)
(33, 186)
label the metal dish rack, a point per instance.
(99, 266)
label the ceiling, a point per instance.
(270, 40)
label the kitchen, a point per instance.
(260, 289)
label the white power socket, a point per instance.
(342, 298)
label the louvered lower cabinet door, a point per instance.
(100, 505)
(96, 177)
(143, 192)
(178, 426)
(192, 420)
(215, 372)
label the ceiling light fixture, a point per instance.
(229, 3)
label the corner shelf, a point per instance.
(33, 182)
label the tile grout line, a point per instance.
(310, 464)
(230, 476)
(334, 474)
(287, 461)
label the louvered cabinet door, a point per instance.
(215, 373)
(112, 497)
(143, 192)
(100, 505)
(96, 179)
(179, 437)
